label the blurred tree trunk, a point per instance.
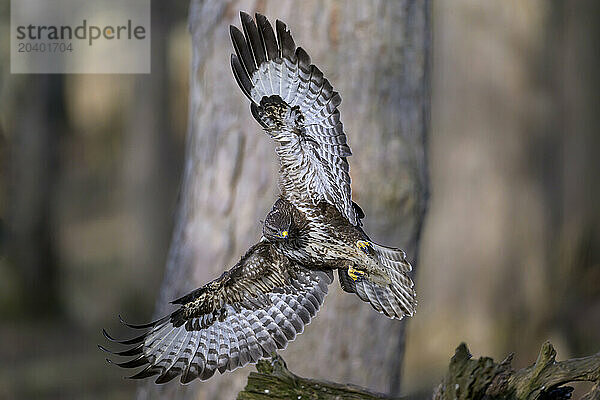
(33, 165)
(561, 162)
(150, 168)
(574, 266)
(376, 55)
(516, 170)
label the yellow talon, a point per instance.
(355, 273)
(363, 244)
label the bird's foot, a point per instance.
(355, 273)
(364, 245)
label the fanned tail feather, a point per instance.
(396, 299)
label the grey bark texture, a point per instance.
(274, 381)
(376, 54)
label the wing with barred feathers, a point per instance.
(297, 106)
(248, 313)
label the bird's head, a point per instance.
(278, 225)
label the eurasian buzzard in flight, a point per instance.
(275, 289)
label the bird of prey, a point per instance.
(267, 298)
(297, 107)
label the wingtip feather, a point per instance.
(134, 340)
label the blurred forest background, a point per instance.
(90, 167)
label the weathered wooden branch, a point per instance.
(274, 381)
(467, 378)
(484, 379)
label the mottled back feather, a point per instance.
(396, 298)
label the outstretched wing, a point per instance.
(297, 106)
(248, 313)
